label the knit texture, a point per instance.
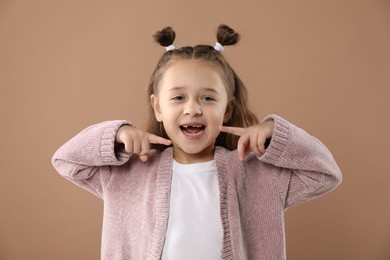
(254, 193)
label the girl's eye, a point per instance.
(178, 98)
(208, 98)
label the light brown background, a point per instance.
(323, 65)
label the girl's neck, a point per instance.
(185, 158)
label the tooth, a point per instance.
(197, 126)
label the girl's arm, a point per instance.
(307, 169)
(88, 157)
(90, 152)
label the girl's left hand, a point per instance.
(252, 138)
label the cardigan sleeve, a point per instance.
(86, 159)
(308, 169)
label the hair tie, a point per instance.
(170, 47)
(218, 46)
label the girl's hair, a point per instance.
(241, 116)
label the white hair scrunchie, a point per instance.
(170, 47)
(218, 46)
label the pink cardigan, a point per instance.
(254, 194)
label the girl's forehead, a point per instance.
(192, 76)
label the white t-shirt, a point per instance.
(194, 225)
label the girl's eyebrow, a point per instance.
(203, 89)
(176, 88)
(211, 90)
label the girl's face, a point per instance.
(191, 104)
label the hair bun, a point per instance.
(165, 37)
(226, 35)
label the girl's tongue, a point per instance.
(192, 129)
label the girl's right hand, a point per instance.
(137, 141)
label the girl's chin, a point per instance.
(198, 153)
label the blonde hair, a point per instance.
(241, 115)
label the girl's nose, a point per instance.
(192, 109)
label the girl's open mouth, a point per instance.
(192, 130)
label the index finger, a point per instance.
(239, 131)
(154, 139)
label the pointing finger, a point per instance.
(239, 131)
(154, 139)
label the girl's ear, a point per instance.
(229, 111)
(156, 107)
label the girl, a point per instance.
(206, 180)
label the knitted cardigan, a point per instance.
(254, 193)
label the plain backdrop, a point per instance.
(64, 65)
